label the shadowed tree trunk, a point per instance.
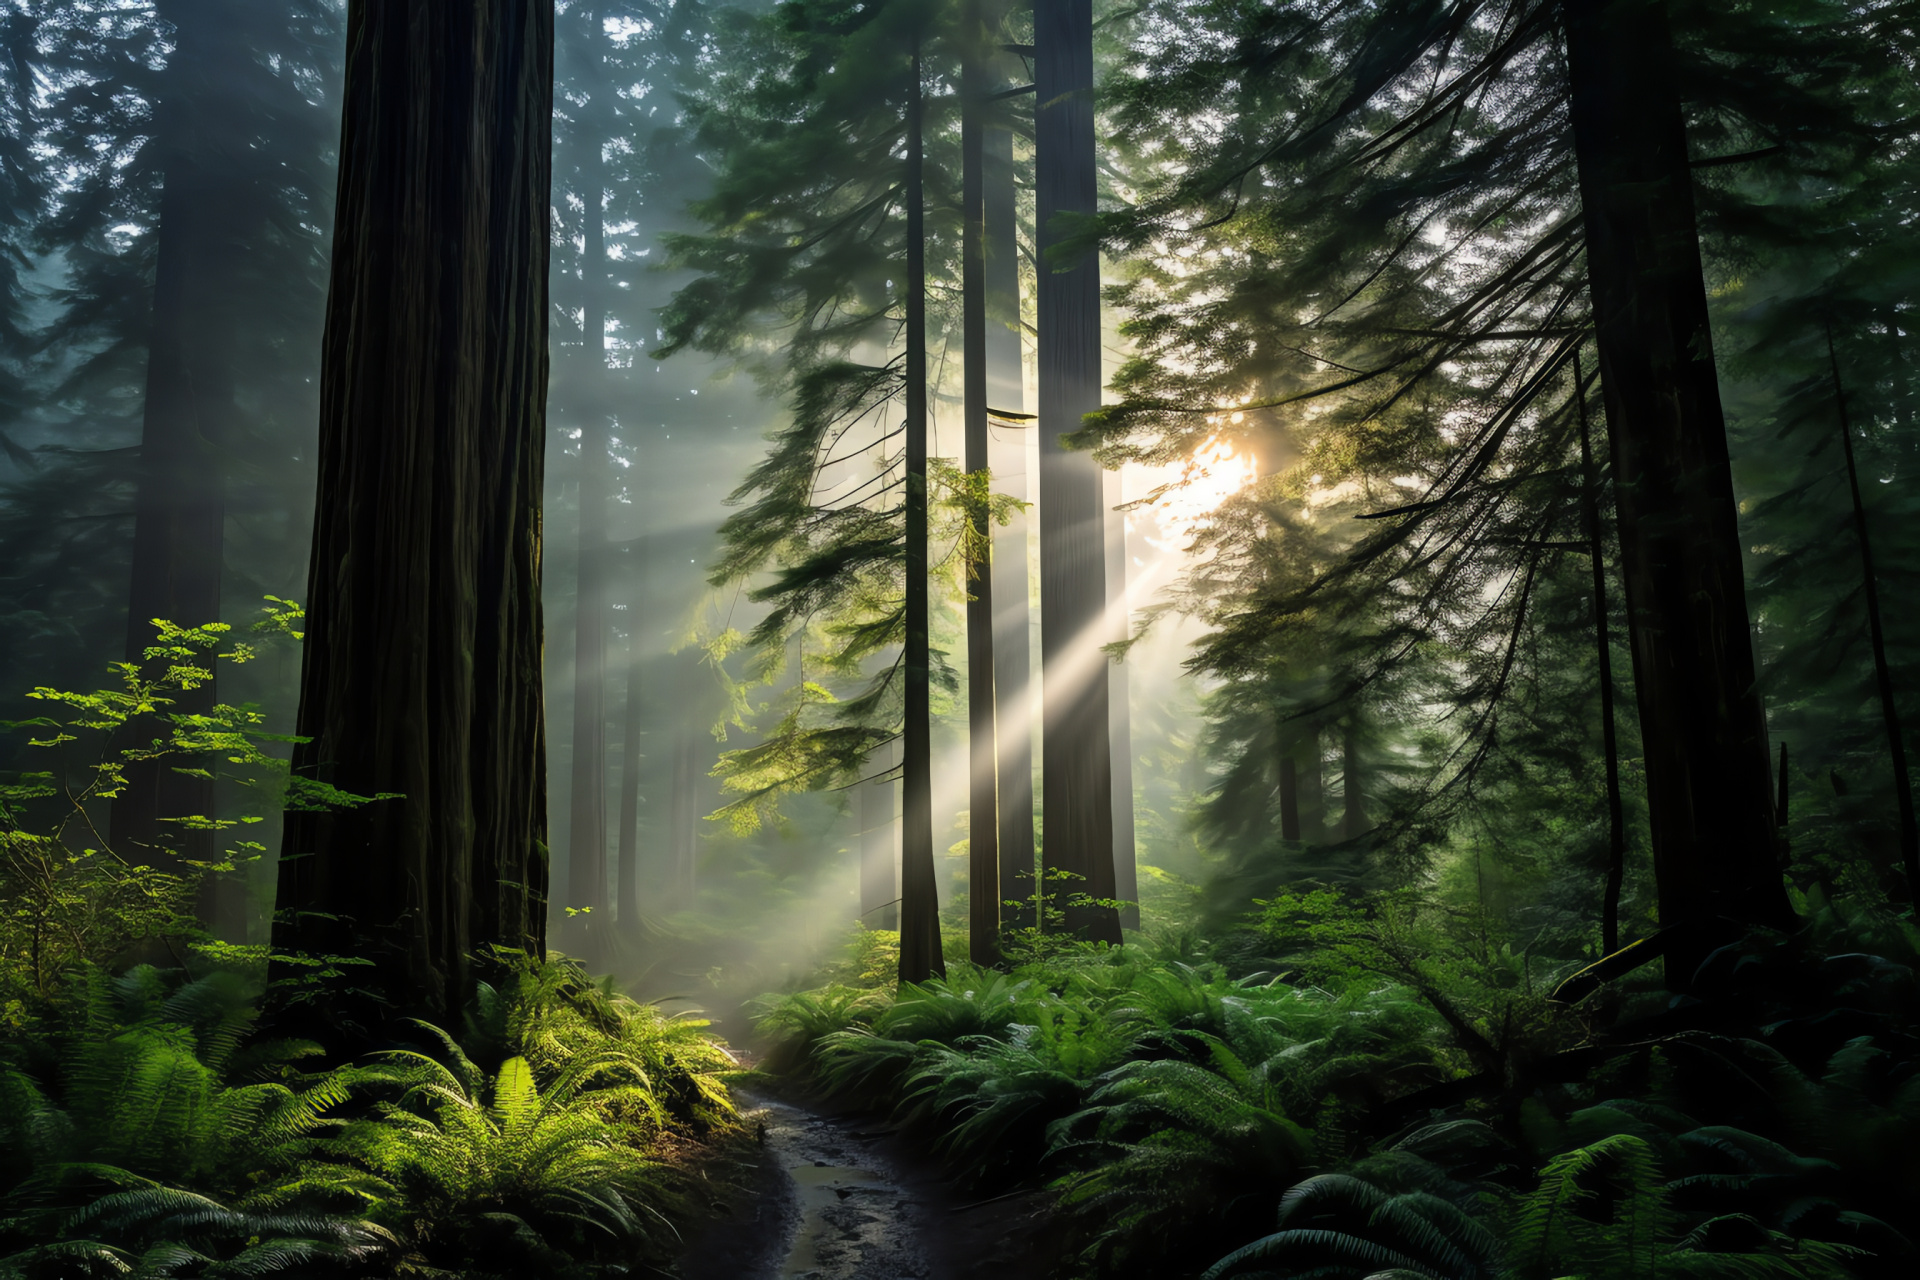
(1877, 639)
(1702, 724)
(1603, 646)
(983, 808)
(1076, 770)
(421, 672)
(920, 956)
(1012, 648)
(180, 507)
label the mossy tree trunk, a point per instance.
(422, 666)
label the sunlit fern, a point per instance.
(502, 1174)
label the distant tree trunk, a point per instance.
(587, 822)
(1287, 779)
(628, 871)
(1603, 646)
(1877, 638)
(920, 955)
(1353, 823)
(879, 844)
(983, 755)
(1012, 648)
(1126, 873)
(1702, 725)
(421, 672)
(682, 813)
(1076, 770)
(1310, 777)
(180, 506)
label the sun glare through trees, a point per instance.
(970, 639)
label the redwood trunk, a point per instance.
(1702, 723)
(1012, 615)
(1076, 768)
(983, 809)
(421, 672)
(920, 956)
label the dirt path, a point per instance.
(842, 1198)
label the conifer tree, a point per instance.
(421, 676)
(1380, 276)
(1076, 770)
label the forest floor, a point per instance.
(843, 1197)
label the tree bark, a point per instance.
(1076, 767)
(421, 672)
(1012, 616)
(1702, 724)
(983, 808)
(180, 504)
(920, 953)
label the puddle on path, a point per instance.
(845, 1213)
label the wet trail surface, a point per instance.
(842, 1198)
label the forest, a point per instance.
(1034, 639)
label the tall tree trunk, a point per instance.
(683, 845)
(1076, 767)
(1353, 822)
(1012, 647)
(920, 956)
(879, 844)
(1287, 779)
(421, 672)
(180, 506)
(1702, 725)
(1877, 638)
(983, 808)
(1310, 778)
(628, 871)
(1603, 646)
(587, 822)
(1126, 873)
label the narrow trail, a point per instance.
(842, 1198)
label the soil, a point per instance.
(843, 1197)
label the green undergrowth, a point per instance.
(147, 1126)
(1393, 1092)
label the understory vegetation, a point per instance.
(162, 1115)
(1338, 1086)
